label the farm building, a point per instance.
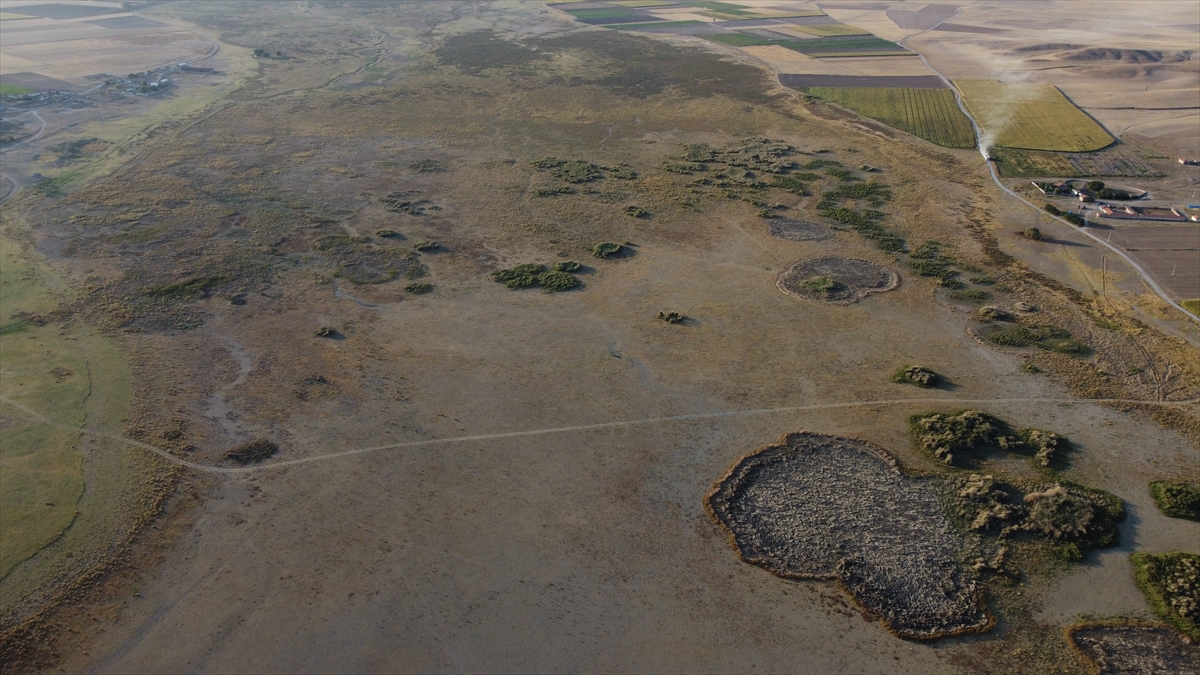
(1141, 213)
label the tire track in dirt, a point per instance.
(206, 468)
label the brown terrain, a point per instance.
(298, 258)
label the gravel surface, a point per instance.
(816, 506)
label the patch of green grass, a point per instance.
(14, 90)
(569, 170)
(820, 285)
(931, 114)
(1192, 306)
(973, 295)
(638, 26)
(419, 288)
(1171, 582)
(1050, 338)
(737, 40)
(792, 184)
(1177, 499)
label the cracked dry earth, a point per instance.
(817, 506)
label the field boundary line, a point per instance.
(207, 468)
(996, 179)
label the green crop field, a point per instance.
(926, 113)
(1031, 117)
(13, 90)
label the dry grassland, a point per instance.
(227, 257)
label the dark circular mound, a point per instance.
(817, 506)
(836, 280)
(797, 230)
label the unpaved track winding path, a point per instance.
(205, 468)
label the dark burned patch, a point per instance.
(475, 52)
(816, 506)
(791, 229)
(1134, 649)
(638, 66)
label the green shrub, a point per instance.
(555, 281)
(1176, 499)
(791, 184)
(948, 436)
(841, 174)
(521, 276)
(1053, 210)
(917, 376)
(553, 191)
(418, 288)
(1033, 233)
(425, 246)
(699, 152)
(621, 172)
(1051, 338)
(1171, 582)
(672, 317)
(388, 234)
(606, 249)
(567, 266)
(1074, 219)
(253, 452)
(569, 170)
(636, 211)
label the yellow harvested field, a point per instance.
(10, 16)
(1030, 117)
(831, 30)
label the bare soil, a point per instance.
(1135, 649)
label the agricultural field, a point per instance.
(931, 114)
(1030, 117)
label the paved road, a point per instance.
(581, 427)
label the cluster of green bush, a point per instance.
(1171, 582)
(865, 223)
(253, 452)
(1176, 499)
(967, 436)
(1050, 338)
(1074, 519)
(530, 275)
(929, 259)
(917, 376)
(1073, 218)
(569, 170)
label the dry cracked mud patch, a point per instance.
(836, 280)
(1135, 649)
(817, 506)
